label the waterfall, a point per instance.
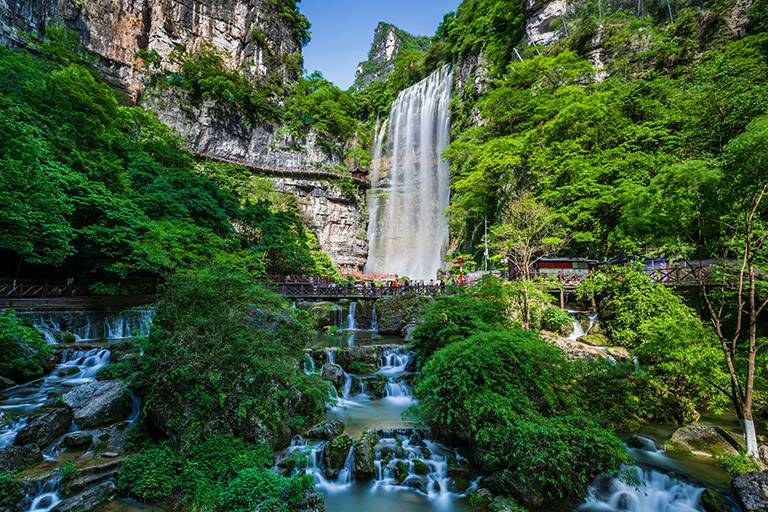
(578, 329)
(645, 490)
(47, 497)
(408, 230)
(94, 326)
(374, 318)
(351, 317)
(393, 364)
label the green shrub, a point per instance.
(24, 350)
(554, 319)
(151, 475)
(263, 489)
(224, 358)
(739, 464)
(10, 490)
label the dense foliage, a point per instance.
(631, 162)
(24, 353)
(224, 357)
(210, 477)
(512, 394)
(106, 193)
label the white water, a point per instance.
(47, 497)
(578, 329)
(644, 490)
(91, 326)
(408, 230)
(76, 367)
(374, 318)
(352, 317)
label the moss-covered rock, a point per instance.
(395, 313)
(365, 453)
(336, 452)
(699, 439)
(713, 501)
(419, 467)
(400, 471)
(596, 340)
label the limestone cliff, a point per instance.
(388, 41)
(254, 34)
(544, 22)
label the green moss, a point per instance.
(10, 490)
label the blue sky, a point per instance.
(342, 30)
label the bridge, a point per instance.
(332, 291)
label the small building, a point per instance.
(563, 266)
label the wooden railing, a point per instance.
(20, 290)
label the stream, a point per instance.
(412, 471)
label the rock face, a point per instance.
(334, 216)
(326, 430)
(388, 41)
(13, 458)
(43, 430)
(700, 440)
(544, 22)
(338, 221)
(751, 491)
(99, 403)
(253, 33)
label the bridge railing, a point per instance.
(332, 291)
(20, 290)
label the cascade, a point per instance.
(351, 317)
(47, 496)
(645, 490)
(394, 361)
(337, 315)
(374, 318)
(578, 329)
(408, 230)
(93, 326)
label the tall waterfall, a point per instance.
(408, 231)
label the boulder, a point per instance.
(312, 502)
(99, 403)
(713, 501)
(78, 440)
(332, 373)
(751, 491)
(762, 451)
(596, 340)
(45, 429)
(365, 454)
(326, 430)
(89, 498)
(336, 455)
(13, 458)
(700, 439)
(502, 483)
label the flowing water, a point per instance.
(408, 230)
(94, 326)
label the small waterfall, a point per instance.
(330, 356)
(9, 431)
(394, 361)
(419, 465)
(352, 317)
(309, 364)
(578, 329)
(337, 315)
(408, 230)
(47, 496)
(92, 326)
(374, 319)
(644, 490)
(346, 474)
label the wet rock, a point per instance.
(365, 454)
(78, 440)
(335, 455)
(332, 373)
(6, 383)
(312, 502)
(460, 470)
(326, 430)
(45, 429)
(598, 328)
(700, 439)
(419, 467)
(400, 471)
(66, 372)
(713, 501)
(595, 340)
(503, 483)
(3, 419)
(89, 498)
(620, 353)
(642, 443)
(13, 458)
(99, 403)
(751, 491)
(762, 450)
